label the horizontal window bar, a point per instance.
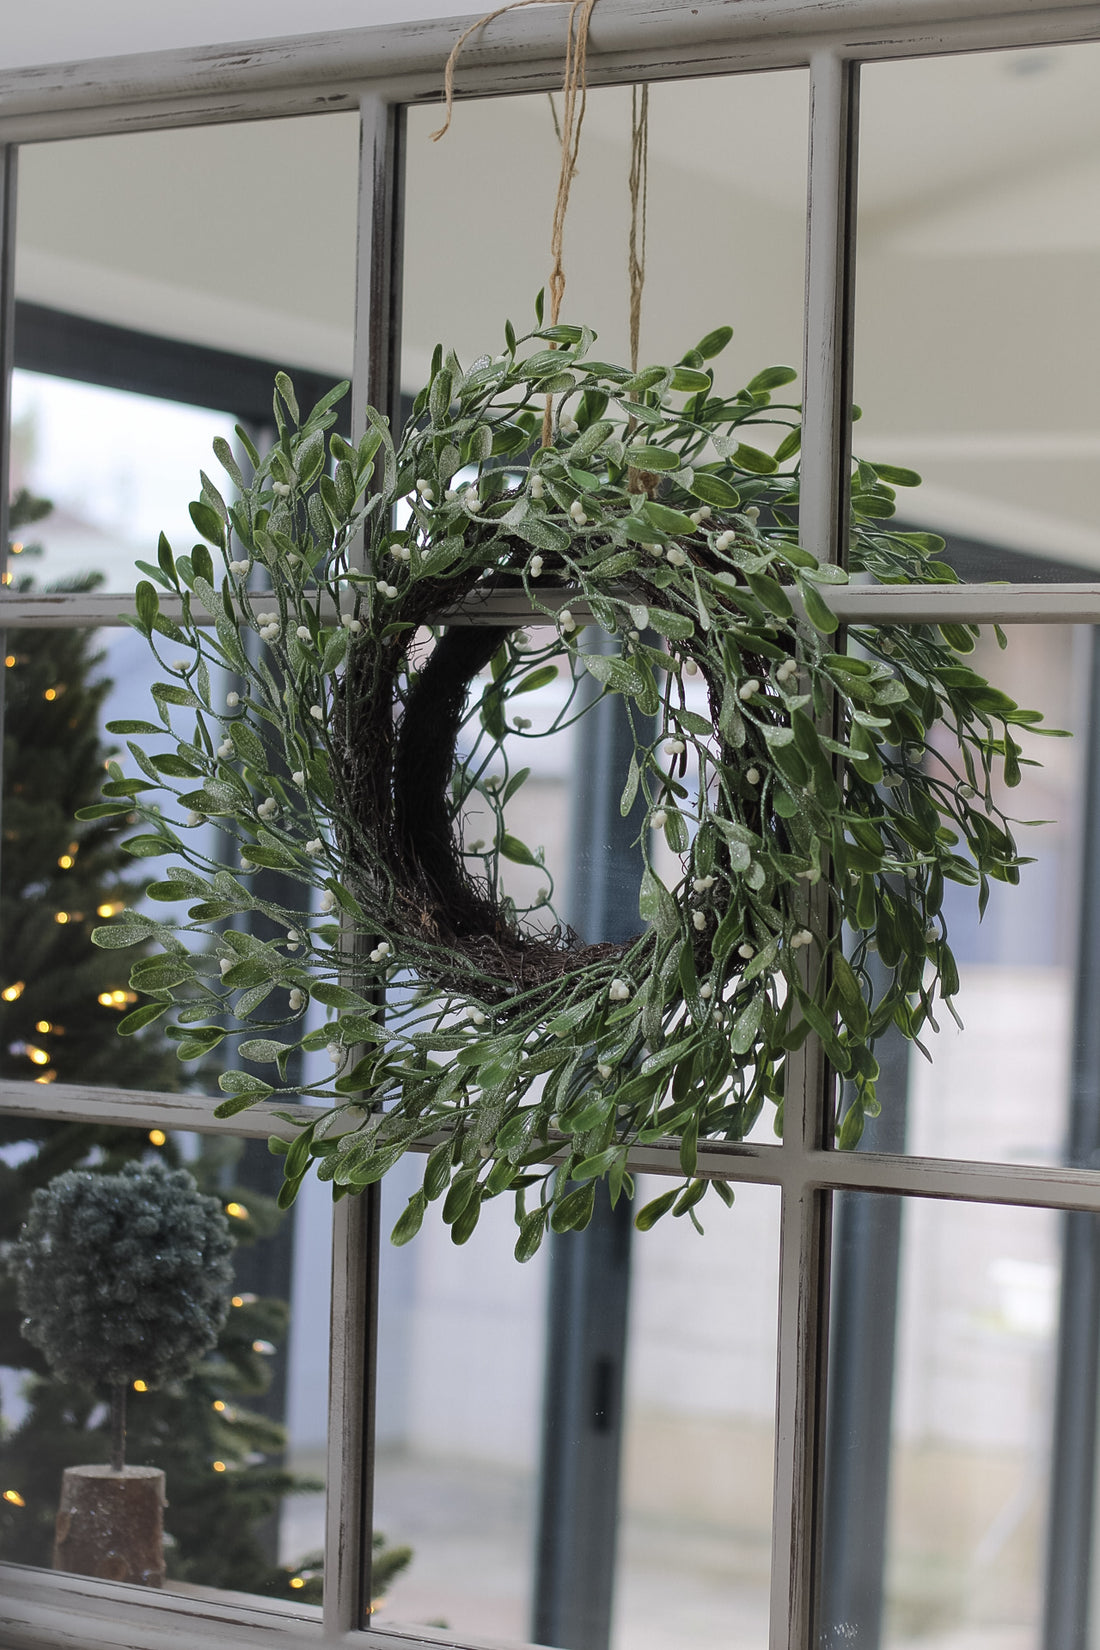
(854, 604)
(141, 1109)
(50, 1610)
(1051, 1186)
(314, 73)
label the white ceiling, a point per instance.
(55, 31)
(979, 250)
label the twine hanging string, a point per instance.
(639, 189)
(574, 100)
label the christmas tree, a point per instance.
(59, 1013)
(123, 1277)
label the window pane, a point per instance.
(461, 1336)
(725, 242)
(461, 1381)
(109, 494)
(998, 1088)
(977, 269)
(240, 1436)
(939, 1482)
(694, 1561)
(186, 264)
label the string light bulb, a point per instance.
(11, 993)
(158, 1137)
(110, 909)
(47, 1077)
(116, 998)
(51, 693)
(219, 1466)
(61, 916)
(237, 1211)
(43, 1025)
(15, 1498)
(37, 1055)
(140, 1386)
(219, 1405)
(10, 660)
(297, 1581)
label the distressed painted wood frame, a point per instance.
(378, 71)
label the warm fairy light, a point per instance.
(111, 909)
(117, 998)
(140, 1386)
(6, 579)
(43, 1025)
(11, 992)
(61, 916)
(219, 1405)
(37, 1055)
(266, 1349)
(15, 1498)
(243, 1300)
(50, 694)
(237, 1210)
(157, 1136)
(10, 660)
(47, 1077)
(219, 1466)
(66, 862)
(16, 547)
(297, 1581)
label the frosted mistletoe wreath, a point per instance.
(364, 732)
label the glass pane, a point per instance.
(461, 1337)
(940, 1482)
(155, 261)
(997, 1088)
(108, 496)
(746, 269)
(62, 998)
(462, 1378)
(694, 1560)
(975, 302)
(233, 1417)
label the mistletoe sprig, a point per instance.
(792, 776)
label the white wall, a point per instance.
(57, 31)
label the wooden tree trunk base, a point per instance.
(111, 1524)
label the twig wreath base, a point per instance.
(806, 804)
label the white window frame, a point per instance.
(377, 71)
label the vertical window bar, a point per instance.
(9, 160)
(356, 1234)
(806, 1220)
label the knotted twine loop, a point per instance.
(574, 99)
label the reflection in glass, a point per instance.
(725, 242)
(976, 278)
(128, 478)
(460, 1359)
(695, 1522)
(996, 1089)
(230, 1437)
(940, 1428)
(461, 1340)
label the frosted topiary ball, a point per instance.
(123, 1277)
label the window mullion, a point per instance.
(356, 1223)
(823, 507)
(9, 161)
